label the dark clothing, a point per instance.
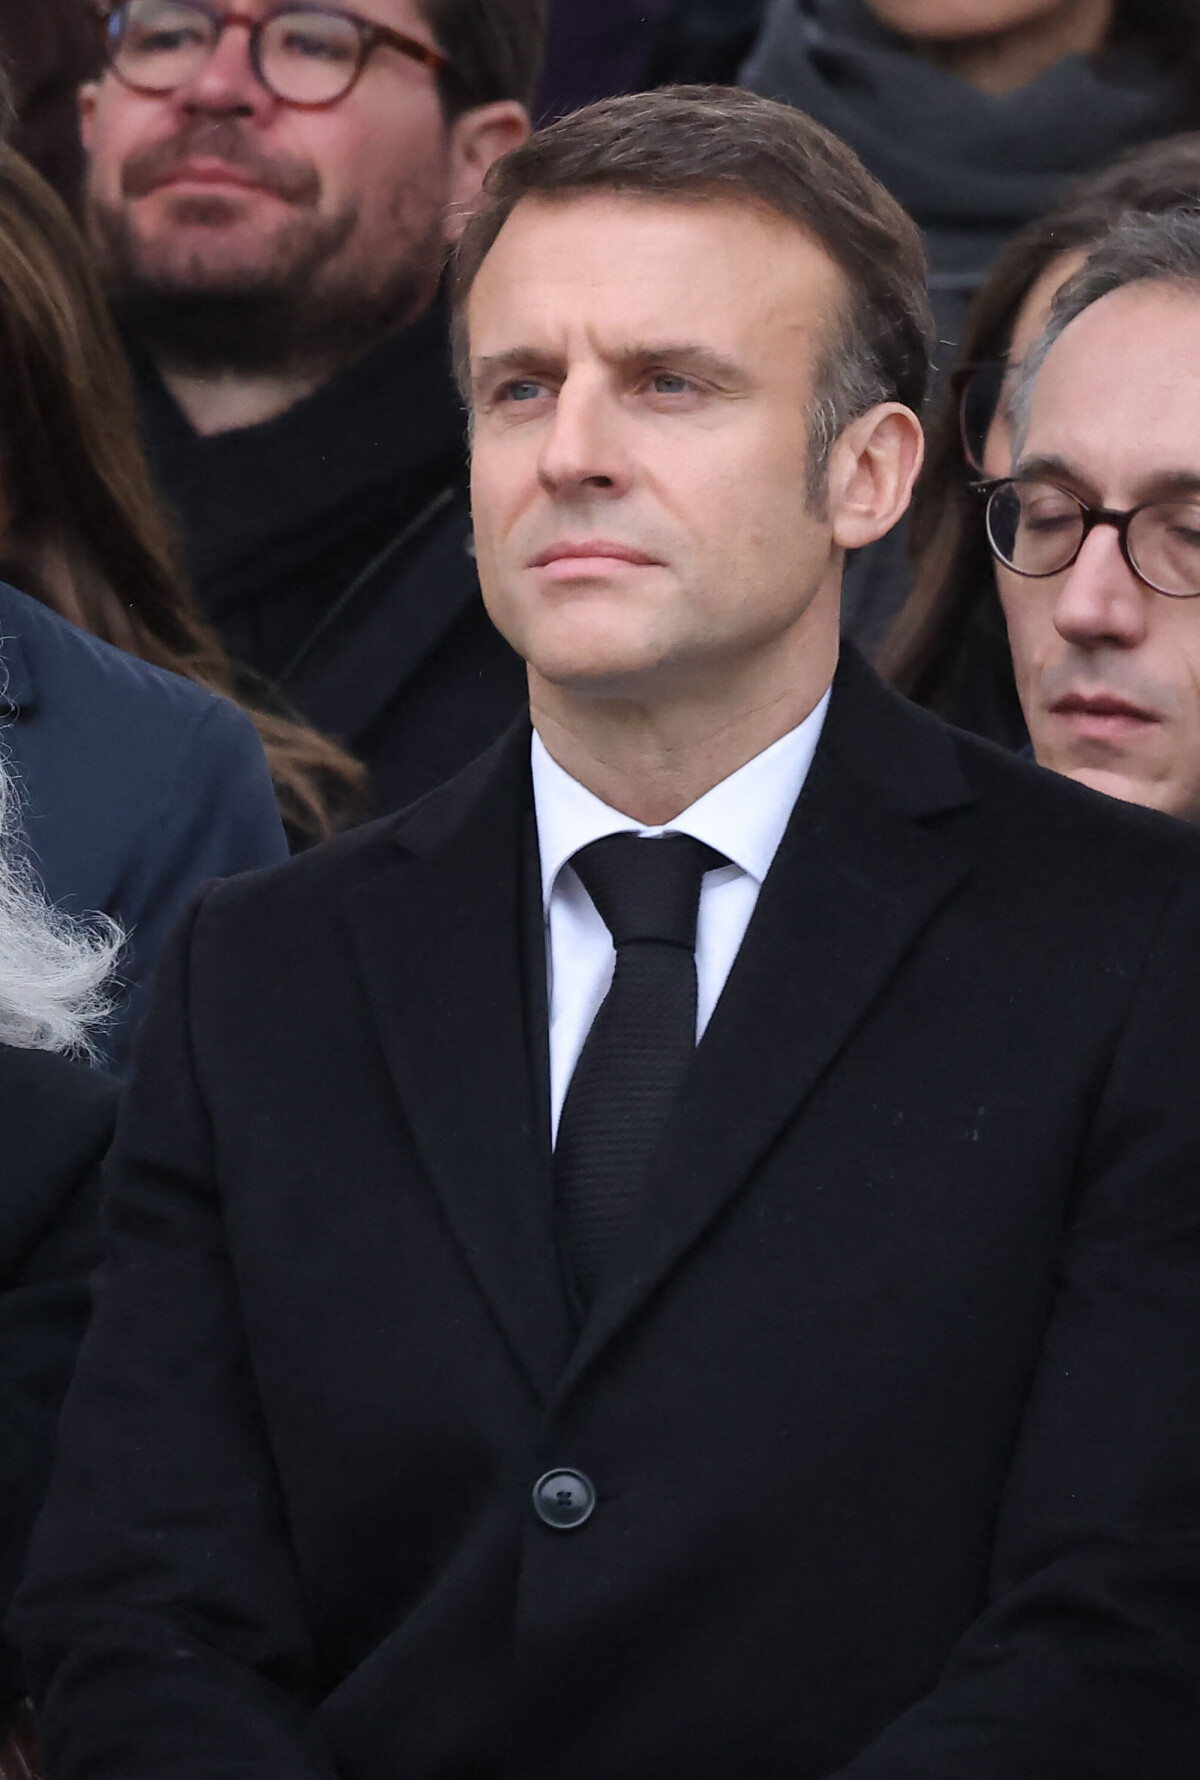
(969, 167)
(331, 549)
(889, 1399)
(136, 785)
(594, 51)
(57, 1120)
(50, 48)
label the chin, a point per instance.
(579, 649)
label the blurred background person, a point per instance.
(978, 114)
(138, 784)
(270, 199)
(56, 1114)
(81, 528)
(1096, 533)
(948, 647)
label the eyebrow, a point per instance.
(686, 354)
(1165, 485)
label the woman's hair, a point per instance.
(56, 975)
(953, 583)
(81, 528)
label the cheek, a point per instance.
(1029, 616)
(379, 151)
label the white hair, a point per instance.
(56, 974)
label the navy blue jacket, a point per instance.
(137, 785)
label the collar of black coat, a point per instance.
(893, 749)
(866, 862)
(256, 503)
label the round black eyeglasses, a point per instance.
(307, 56)
(1037, 529)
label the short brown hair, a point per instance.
(689, 142)
(495, 46)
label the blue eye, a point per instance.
(524, 389)
(669, 383)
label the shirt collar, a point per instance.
(743, 817)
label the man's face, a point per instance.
(219, 191)
(642, 374)
(1108, 670)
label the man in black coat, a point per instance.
(274, 251)
(485, 1379)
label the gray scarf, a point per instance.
(969, 167)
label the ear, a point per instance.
(477, 138)
(871, 473)
(89, 94)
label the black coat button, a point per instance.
(564, 1499)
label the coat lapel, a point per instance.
(440, 943)
(862, 869)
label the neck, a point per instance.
(651, 760)
(224, 401)
(1003, 61)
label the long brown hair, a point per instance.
(953, 605)
(81, 528)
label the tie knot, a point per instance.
(647, 888)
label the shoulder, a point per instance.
(1027, 825)
(60, 658)
(1054, 820)
(117, 758)
(314, 882)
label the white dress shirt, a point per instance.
(743, 817)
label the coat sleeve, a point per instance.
(1086, 1661)
(161, 1622)
(218, 817)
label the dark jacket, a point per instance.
(891, 1399)
(136, 785)
(57, 1119)
(332, 549)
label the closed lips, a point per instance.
(590, 548)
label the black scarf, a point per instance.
(278, 519)
(969, 167)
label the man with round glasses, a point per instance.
(1097, 533)
(271, 191)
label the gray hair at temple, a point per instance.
(55, 973)
(1163, 248)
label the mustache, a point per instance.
(221, 139)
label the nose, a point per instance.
(582, 451)
(1101, 601)
(226, 85)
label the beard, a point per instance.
(299, 308)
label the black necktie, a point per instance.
(641, 1041)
